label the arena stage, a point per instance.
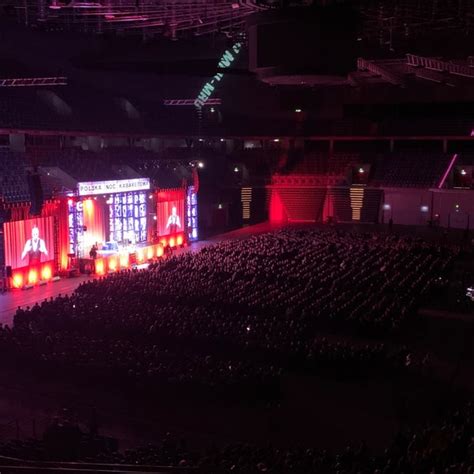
(11, 300)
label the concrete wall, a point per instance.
(453, 208)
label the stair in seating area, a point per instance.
(341, 204)
(355, 204)
(371, 209)
(303, 204)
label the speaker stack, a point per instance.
(36, 193)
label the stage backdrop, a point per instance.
(170, 212)
(29, 242)
(95, 220)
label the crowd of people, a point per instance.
(245, 313)
(445, 446)
(236, 311)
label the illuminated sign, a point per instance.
(192, 214)
(91, 188)
(225, 61)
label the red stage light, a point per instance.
(46, 273)
(17, 280)
(32, 276)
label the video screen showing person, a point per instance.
(171, 217)
(29, 242)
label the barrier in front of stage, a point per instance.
(123, 261)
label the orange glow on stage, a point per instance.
(172, 242)
(149, 253)
(159, 250)
(179, 240)
(112, 263)
(163, 242)
(124, 261)
(46, 273)
(32, 276)
(140, 255)
(99, 266)
(88, 206)
(17, 280)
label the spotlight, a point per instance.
(150, 196)
(463, 172)
(55, 5)
(276, 140)
(361, 170)
(297, 111)
(236, 170)
(201, 164)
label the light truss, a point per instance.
(166, 17)
(33, 82)
(189, 102)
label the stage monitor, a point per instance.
(29, 242)
(170, 213)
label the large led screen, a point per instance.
(171, 216)
(29, 242)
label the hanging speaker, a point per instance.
(36, 194)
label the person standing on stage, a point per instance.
(93, 255)
(174, 222)
(93, 252)
(34, 248)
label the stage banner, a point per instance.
(29, 242)
(94, 188)
(170, 212)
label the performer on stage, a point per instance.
(34, 248)
(93, 251)
(174, 222)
